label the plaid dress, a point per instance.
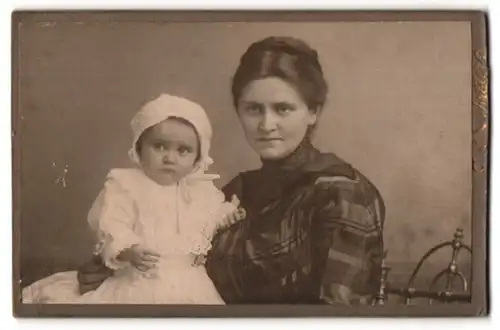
(312, 234)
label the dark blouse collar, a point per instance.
(297, 160)
(277, 178)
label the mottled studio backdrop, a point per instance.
(398, 110)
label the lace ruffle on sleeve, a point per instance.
(113, 217)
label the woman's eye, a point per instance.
(253, 109)
(284, 108)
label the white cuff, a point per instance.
(113, 246)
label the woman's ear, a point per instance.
(313, 115)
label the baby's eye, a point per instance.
(184, 151)
(159, 146)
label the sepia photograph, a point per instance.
(257, 164)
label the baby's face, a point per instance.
(168, 151)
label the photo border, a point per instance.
(480, 114)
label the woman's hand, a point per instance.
(199, 259)
(141, 258)
(237, 215)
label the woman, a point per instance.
(313, 231)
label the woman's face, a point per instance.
(274, 117)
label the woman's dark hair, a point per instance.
(287, 58)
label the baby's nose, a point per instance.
(169, 158)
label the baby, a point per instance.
(155, 222)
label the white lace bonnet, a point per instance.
(167, 106)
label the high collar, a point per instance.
(278, 178)
(297, 160)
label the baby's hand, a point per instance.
(237, 215)
(141, 258)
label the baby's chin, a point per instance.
(164, 179)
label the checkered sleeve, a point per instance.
(351, 219)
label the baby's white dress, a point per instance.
(176, 221)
